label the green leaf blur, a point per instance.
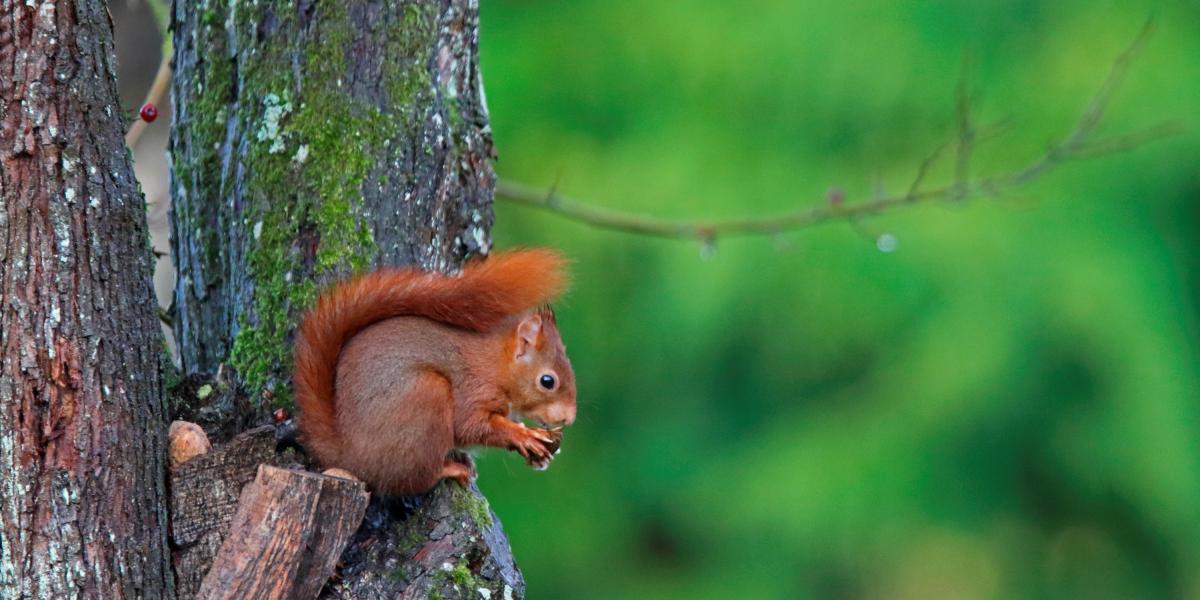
(1006, 406)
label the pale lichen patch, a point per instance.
(274, 110)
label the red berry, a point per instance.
(280, 415)
(149, 112)
(836, 196)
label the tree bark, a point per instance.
(82, 418)
(312, 139)
(451, 545)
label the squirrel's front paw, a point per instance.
(538, 446)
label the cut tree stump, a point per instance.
(289, 530)
(204, 497)
(447, 543)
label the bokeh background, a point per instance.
(1006, 405)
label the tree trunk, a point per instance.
(82, 420)
(312, 139)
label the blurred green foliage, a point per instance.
(1008, 405)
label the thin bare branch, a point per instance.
(1076, 144)
(161, 11)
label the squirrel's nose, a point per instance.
(561, 414)
(569, 415)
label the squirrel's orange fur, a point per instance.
(395, 368)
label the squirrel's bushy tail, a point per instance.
(487, 293)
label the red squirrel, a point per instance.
(395, 368)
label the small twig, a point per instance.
(1129, 141)
(923, 170)
(1116, 76)
(1091, 115)
(965, 130)
(1077, 144)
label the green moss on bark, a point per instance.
(311, 145)
(476, 506)
(286, 125)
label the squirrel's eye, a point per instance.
(547, 381)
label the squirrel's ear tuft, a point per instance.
(547, 313)
(529, 333)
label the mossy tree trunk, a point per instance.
(82, 420)
(312, 139)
